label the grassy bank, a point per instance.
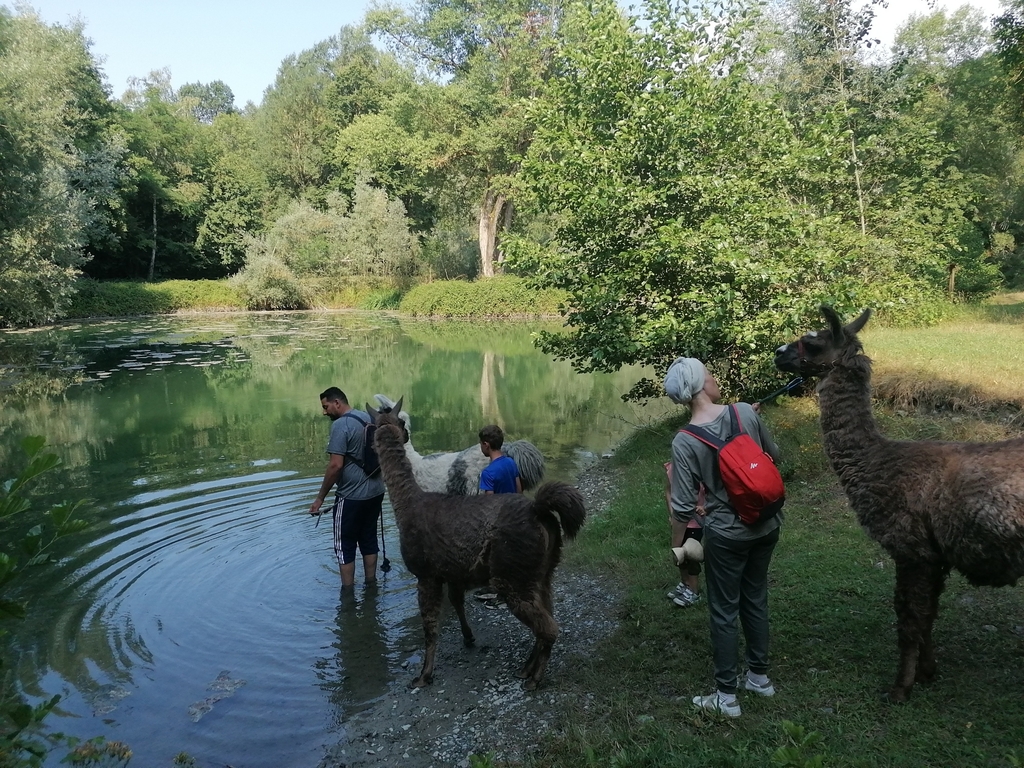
(504, 297)
(833, 634)
(970, 364)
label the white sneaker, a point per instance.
(686, 597)
(680, 589)
(761, 690)
(714, 702)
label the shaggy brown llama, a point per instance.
(507, 541)
(932, 505)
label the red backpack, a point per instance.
(750, 476)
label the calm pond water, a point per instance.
(201, 610)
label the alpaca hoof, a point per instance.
(925, 674)
(530, 684)
(422, 681)
(469, 642)
(896, 695)
(523, 673)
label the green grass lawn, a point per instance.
(973, 362)
(833, 626)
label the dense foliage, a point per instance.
(26, 546)
(505, 296)
(694, 179)
(707, 210)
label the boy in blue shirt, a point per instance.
(502, 474)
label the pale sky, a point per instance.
(243, 42)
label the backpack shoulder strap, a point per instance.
(735, 421)
(704, 436)
(358, 459)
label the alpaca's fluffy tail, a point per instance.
(529, 460)
(565, 503)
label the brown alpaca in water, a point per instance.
(932, 505)
(507, 541)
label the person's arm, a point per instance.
(519, 484)
(683, 491)
(767, 442)
(331, 475)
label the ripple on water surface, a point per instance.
(207, 618)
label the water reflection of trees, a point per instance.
(250, 394)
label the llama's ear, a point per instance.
(835, 324)
(372, 411)
(855, 325)
(398, 405)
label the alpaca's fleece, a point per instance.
(458, 472)
(507, 541)
(932, 505)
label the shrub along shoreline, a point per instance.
(499, 297)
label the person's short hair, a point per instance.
(332, 394)
(493, 436)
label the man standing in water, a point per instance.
(359, 497)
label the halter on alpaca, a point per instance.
(933, 506)
(458, 472)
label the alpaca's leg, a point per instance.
(913, 602)
(926, 663)
(429, 595)
(534, 613)
(457, 594)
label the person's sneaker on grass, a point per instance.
(680, 588)
(686, 597)
(718, 703)
(759, 684)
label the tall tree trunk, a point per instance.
(490, 214)
(506, 225)
(152, 255)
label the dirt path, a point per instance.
(476, 704)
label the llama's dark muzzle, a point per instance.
(788, 359)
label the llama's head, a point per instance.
(386, 405)
(389, 417)
(816, 352)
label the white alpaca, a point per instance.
(458, 472)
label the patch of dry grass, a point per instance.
(972, 364)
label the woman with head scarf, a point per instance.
(736, 555)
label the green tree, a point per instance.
(205, 101)
(239, 195)
(375, 237)
(690, 216)
(492, 57)
(164, 207)
(61, 164)
(316, 94)
(902, 182)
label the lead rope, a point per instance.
(386, 565)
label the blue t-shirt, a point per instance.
(500, 476)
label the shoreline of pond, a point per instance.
(476, 706)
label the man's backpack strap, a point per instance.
(357, 459)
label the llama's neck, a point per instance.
(849, 432)
(396, 469)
